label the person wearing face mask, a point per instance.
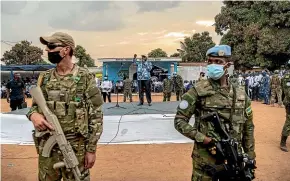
(106, 87)
(231, 104)
(15, 90)
(72, 95)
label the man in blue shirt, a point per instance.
(15, 92)
(143, 77)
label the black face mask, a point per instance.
(54, 57)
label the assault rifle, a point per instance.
(230, 163)
(70, 160)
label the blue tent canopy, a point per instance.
(26, 67)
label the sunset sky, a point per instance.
(109, 28)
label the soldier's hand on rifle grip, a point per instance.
(207, 140)
(39, 122)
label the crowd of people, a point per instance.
(263, 85)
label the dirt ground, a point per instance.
(168, 162)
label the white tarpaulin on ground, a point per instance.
(133, 129)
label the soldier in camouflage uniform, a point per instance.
(276, 88)
(167, 88)
(177, 82)
(127, 88)
(216, 94)
(72, 95)
(286, 101)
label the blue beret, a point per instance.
(219, 51)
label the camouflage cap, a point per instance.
(58, 37)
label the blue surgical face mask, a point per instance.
(215, 71)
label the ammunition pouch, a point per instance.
(36, 141)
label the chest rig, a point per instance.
(65, 98)
(230, 106)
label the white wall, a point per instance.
(192, 72)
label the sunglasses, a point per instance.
(52, 46)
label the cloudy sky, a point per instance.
(109, 28)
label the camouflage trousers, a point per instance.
(166, 96)
(278, 93)
(48, 173)
(178, 93)
(127, 93)
(286, 127)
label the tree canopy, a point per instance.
(193, 49)
(257, 31)
(23, 53)
(83, 57)
(175, 55)
(157, 53)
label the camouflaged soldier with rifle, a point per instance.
(167, 88)
(223, 131)
(177, 82)
(286, 102)
(72, 96)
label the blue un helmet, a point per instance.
(219, 51)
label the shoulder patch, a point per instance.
(183, 104)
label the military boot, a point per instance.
(283, 143)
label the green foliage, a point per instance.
(193, 49)
(23, 53)
(175, 55)
(83, 57)
(257, 31)
(157, 53)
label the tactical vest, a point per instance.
(65, 98)
(275, 82)
(231, 113)
(127, 84)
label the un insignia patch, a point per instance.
(183, 104)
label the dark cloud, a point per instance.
(156, 6)
(12, 7)
(83, 16)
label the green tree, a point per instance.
(175, 55)
(157, 53)
(83, 57)
(257, 31)
(193, 49)
(23, 53)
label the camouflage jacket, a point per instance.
(208, 96)
(286, 88)
(76, 101)
(177, 82)
(275, 82)
(167, 85)
(127, 84)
